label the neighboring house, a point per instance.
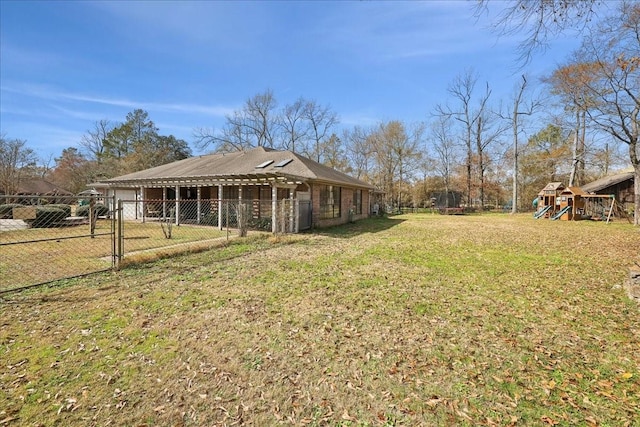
(35, 187)
(260, 177)
(619, 185)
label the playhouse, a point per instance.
(549, 200)
(556, 201)
(571, 204)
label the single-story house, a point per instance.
(31, 189)
(619, 185)
(261, 177)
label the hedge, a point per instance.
(101, 209)
(47, 216)
(6, 211)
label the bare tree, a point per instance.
(539, 20)
(614, 47)
(93, 142)
(15, 161)
(476, 124)
(295, 128)
(359, 151)
(255, 125)
(519, 107)
(571, 82)
(487, 131)
(260, 118)
(445, 150)
(321, 119)
(396, 154)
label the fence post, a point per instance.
(296, 215)
(92, 215)
(114, 212)
(120, 234)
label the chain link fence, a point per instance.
(47, 238)
(43, 239)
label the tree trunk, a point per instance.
(576, 150)
(636, 187)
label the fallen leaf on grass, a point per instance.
(346, 416)
(548, 420)
(626, 375)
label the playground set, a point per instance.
(557, 202)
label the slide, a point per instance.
(560, 213)
(540, 213)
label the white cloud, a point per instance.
(50, 93)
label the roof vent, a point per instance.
(283, 163)
(264, 164)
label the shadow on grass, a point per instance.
(363, 226)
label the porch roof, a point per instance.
(258, 166)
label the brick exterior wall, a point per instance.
(346, 203)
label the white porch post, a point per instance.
(164, 202)
(177, 205)
(142, 204)
(292, 218)
(274, 208)
(220, 207)
(199, 193)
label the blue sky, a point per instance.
(66, 65)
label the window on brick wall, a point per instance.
(330, 197)
(357, 201)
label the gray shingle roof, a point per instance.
(607, 181)
(40, 186)
(242, 164)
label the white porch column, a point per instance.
(164, 202)
(220, 207)
(274, 208)
(292, 218)
(199, 207)
(142, 204)
(177, 205)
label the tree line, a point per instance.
(104, 151)
(492, 152)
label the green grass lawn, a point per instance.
(413, 320)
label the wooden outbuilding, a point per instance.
(618, 186)
(549, 200)
(571, 205)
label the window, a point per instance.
(264, 164)
(283, 163)
(357, 201)
(330, 197)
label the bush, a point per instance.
(101, 209)
(64, 207)
(210, 219)
(6, 211)
(263, 224)
(47, 216)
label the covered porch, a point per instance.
(270, 203)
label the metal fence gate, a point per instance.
(48, 238)
(304, 215)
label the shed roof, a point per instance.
(259, 163)
(608, 181)
(554, 186)
(577, 191)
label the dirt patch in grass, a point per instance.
(415, 320)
